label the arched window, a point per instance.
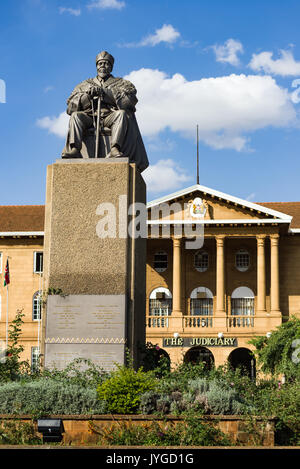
(242, 260)
(196, 355)
(160, 261)
(201, 261)
(37, 306)
(160, 306)
(244, 359)
(201, 304)
(242, 304)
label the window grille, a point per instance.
(35, 358)
(242, 307)
(242, 260)
(160, 261)
(160, 309)
(201, 306)
(37, 307)
(201, 261)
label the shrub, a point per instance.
(192, 431)
(45, 396)
(224, 401)
(275, 354)
(123, 390)
(18, 433)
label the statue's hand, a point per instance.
(95, 92)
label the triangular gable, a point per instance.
(219, 207)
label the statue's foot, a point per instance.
(115, 153)
(73, 153)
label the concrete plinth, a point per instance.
(93, 260)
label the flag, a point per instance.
(6, 274)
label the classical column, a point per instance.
(275, 306)
(220, 275)
(176, 276)
(261, 274)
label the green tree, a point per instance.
(278, 354)
(12, 367)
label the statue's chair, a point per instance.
(89, 143)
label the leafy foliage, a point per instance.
(275, 354)
(18, 433)
(201, 396)
(45, 396)
(122, 391)
(12, 367)
(192, 431)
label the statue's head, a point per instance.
(104, 63)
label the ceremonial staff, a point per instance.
(99, 123)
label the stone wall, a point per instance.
(82, 429)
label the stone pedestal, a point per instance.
(94, 266)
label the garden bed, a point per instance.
(88, 429)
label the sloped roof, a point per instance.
(291, 208)
(22, 218)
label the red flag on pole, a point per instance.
(6, 275)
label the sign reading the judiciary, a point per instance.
(205, 341)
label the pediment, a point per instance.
(197, 203)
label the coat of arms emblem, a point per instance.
(198, 208)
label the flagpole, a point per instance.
(6, 283)
(6, 317)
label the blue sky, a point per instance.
(231, 67)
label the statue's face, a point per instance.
(104, 68)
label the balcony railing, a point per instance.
(159, 312)
(197, 321)
(240, 321)
(189, 323)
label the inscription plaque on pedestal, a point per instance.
(85, 326)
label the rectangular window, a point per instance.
(160, 261)
(38, 262)
(35, 359)
(201, 306)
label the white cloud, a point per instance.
(167, 34)
(285, 65)
(295, 95)
(48, 88)
(165, 175)
(71, 11)
(55, 125)
(225, 108)
(251, 197)
(228, 52)
(107, 4)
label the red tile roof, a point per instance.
(22, 218)
(289, 208)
